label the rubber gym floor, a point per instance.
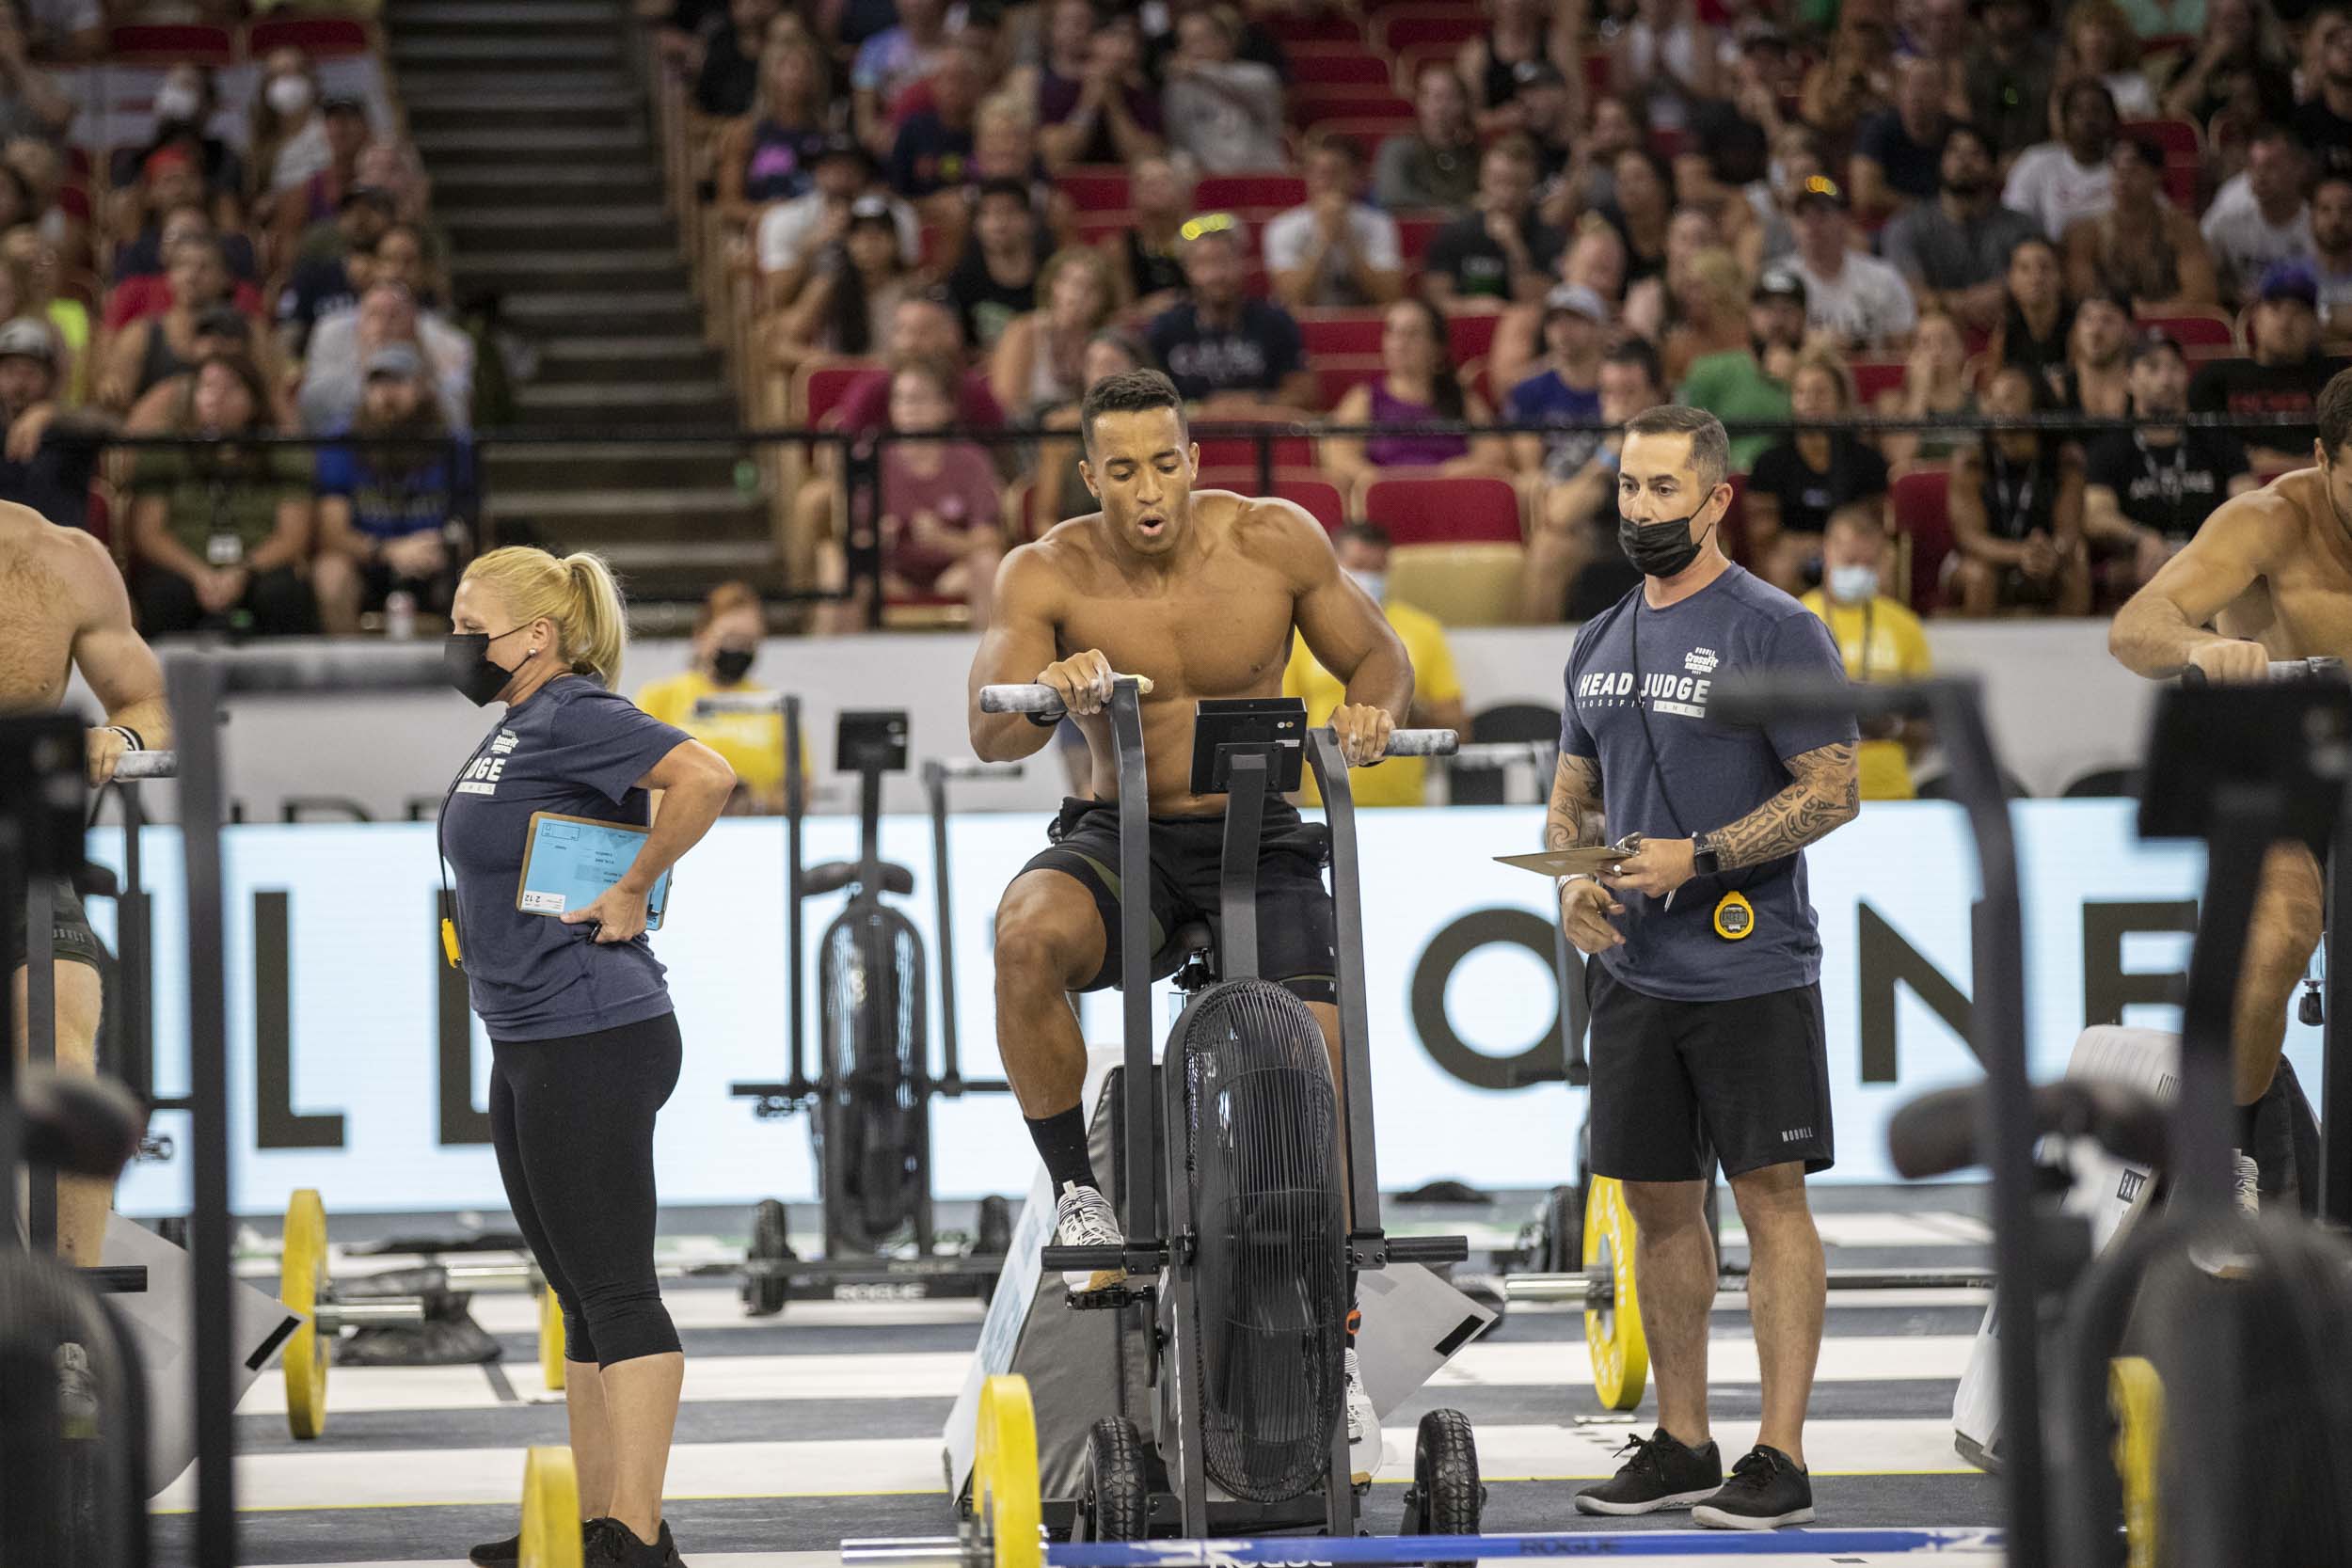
(824, 1424)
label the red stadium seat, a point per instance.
(819, 389)
(1471, 334)
(1414, 230)
(1734, 524)
(73, 199)
(322, 38)
(1366, 134)
(2180, 138)
(1923, 517)
(1439, 510)
(1336, 65)
(1411, 26)
(1094, 227)
(1873, 376)
(2202, 329)
(1339, 331)
(1322, 27)
(1094, 187)
(1273, 190)
(1233, 453)
(171, 43)
(98, 516)
(1597, 70)
(1336, 374)
(1312, 104)
(1319, 495)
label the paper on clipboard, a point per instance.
(570, 861)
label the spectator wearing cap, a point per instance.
(1596, 259)
(858, 282)
(185, 103)
(31, 102)
(2016, 501)
(2331, 257)
(2037, 318)
(1418, 385)
(31, 263)
(2281, 376)
(1668, 59)
(1093, 102)
(334, 374)
(1220, 342)
(769, 154)
(1751, 383)
(1334, 248)
(348, 134)
(1897, 154)
(1146, 265)
(1489, 62)
(728, 78)
(43, 466)
(392, 500)
(1563, 387)
(2148, 490)
(1805, 479)
(395, 260)
(994, 280)
(1954, 250)
(2058, 183)
(2143, 248)
(1500, 251)
(1574, 566)
(1435, 163)
(320, 286)
(890, 61)
(169, 181)
(1552, 118)
(2259, 218)
(2324, 119)
(934, 145)
(156, 347)
(2011, 73)
(287, 137)
(1224, 111)
(1855, 298)
(1936, 385)
(220, 533)
(792, 233)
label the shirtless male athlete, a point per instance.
(2269, 576)
(1200, 593)
(62, 604)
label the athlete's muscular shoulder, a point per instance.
(1278, 534)
(2269, 527)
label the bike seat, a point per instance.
(832, 875)
(1193, 936)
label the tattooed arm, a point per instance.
(1573, 819)
(1824, 793)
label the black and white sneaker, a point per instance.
(1661, 1473)
(1083, 1218)
(1767, 1490)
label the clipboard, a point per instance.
(570, 861)
(1589, 859)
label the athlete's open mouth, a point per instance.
(1151, 525)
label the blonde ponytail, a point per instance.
(597, 632)
(577, 593)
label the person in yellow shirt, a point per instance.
(728, 631)
(1880, 640)
(1363, 551)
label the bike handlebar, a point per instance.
(1041, 699)
(2321, 667)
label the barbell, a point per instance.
(1610, 1291)
(306, 1286)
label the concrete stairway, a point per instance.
(530, 119)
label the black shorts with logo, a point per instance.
(68, 928)
(1296, 926)
(1678, 1085)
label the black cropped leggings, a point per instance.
(572, 1121)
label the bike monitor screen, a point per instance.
(1222, 727)
(871, 738)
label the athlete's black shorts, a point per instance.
(68, 930)
(1678, 1085)
(1296, 928)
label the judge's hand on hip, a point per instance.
(617, 914)
(1656, 868)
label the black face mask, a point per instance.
(730, 665)
(1661, 549)
(466, 660)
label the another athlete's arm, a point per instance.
(121, 668)
(1824, 792)
(1573, 819)
(1344, 630)
(2166, 627)
(1018, 645)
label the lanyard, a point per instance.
(451, 943)
(2017, 505)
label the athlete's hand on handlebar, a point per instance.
(2230, 661)
(1363, 733)
(1083, 679)
(1585, 907)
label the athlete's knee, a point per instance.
(1772, 1196)
(1662, 1209)
(1042, 939)
(2289, 911)
(622, 1319)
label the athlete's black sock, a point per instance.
(2247, 1117)
(1061, 1143)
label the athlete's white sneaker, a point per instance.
(2247, 1180)
(1083, 1218)
(1363, 1426)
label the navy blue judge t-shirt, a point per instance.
(1633, 664)
(576, 749)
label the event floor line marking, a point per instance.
(326, 1478)
(940, 1374)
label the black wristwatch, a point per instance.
(1704, 863)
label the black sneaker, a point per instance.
(1662, 1473)
(610, 1543)
(1767, 1490)
(506, 1553)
